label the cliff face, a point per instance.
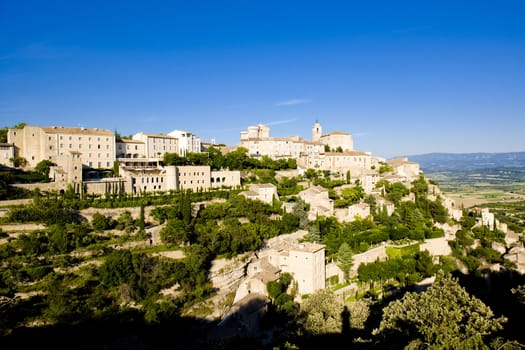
(226, 275)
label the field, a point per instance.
(481, 186)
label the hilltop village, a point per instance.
(337, 185)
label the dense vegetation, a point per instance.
(79, 281)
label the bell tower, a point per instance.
(317, 131)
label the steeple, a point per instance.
(317, 131)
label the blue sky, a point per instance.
(403, 77)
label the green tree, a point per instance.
(323, 313)
(100, 222)
(117, 269)
(344, 259)
(3, 135)
(299, 211)
(443, 317)
(18, 162)
(126, 222)
(424, 264)
(43, 168)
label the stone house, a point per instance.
(319, 201)
(263, 192)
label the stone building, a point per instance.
(129, 148)
(320, 203)
(404, 168)
(156, 145)
(35, 143)
(7, 152)
(262, 192)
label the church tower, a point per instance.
(317, 131)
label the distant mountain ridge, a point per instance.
(468, 161)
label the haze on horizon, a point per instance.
(404, 77)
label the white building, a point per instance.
(156, 145)
(262, 192)
(188, 142)
(129, 148)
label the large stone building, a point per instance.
(149, 175)
(129, 148)
(333, 140)
(339, 157)
(96, 147)
(258, 142)
(304, 261)
(156, 145)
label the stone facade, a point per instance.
(404, 168)
(34, 143)
(320, 203)
(338, 139)
(361, 210)
(128, 148)
(156, 145)
(7, 152)
(262, 192)
(225, 178)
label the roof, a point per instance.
(161, 136)
(249, 194)
(129, 141)
(306, 247)
(399, 161)
(335, 133)
(79, 131)
(294, 139)
(347, 153)
(316, 188)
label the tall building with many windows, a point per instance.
(156, 145)
(95, 147)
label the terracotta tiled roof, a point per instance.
(79, 131)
